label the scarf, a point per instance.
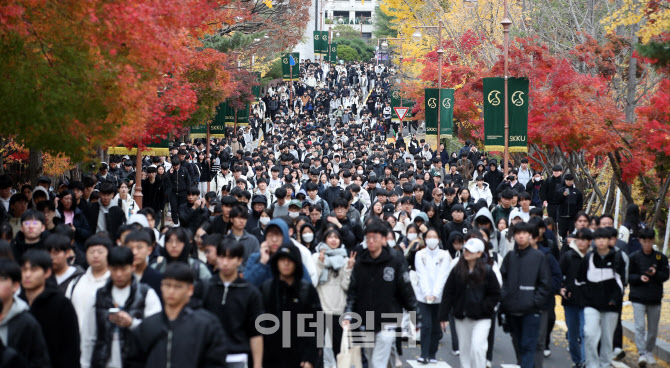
(334, 259)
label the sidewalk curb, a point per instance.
(662, 349)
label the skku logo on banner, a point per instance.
(517, 138)
(494, 97)
(432, 103)
(431, 130)
(446, 103)
(517, 98)
(316, 37)
(285, 60)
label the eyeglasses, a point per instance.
(31, 223)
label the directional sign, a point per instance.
(401, 112)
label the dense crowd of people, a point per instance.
(318, 221)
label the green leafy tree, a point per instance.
(364, 50)
(346, 31)
(347, 53)
(273, 73)
(383, 25)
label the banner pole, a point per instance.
(506, 23)
(137, 196)
(208, 157)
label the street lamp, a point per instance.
(385, 45)
(337, 34)
(417, 37)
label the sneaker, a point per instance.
(456, 352)
(547, 352)
(650, 358)
(422, 360)
(642, 361)
(489, 364)
(618, 354)
(433, 361)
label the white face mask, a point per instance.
(536, 179)
(359, 172)
(293, 214)
(308, 237)
(264, 220)
(391, 243)
(432, 243)
(411, 236)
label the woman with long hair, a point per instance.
(471, 294)
(73, 216)
(629, 231)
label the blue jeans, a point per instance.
(574, 319)
(431, 333)
(525, 333)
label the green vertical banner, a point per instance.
(518, 114)
(494, 114)
(324, 43)
(256, 89)
(286, 66)
(333, 52)
(317, 42)
(445, 102)
(431, 105)
(447, 112)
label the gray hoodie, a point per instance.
(495, 234)
(18, 306)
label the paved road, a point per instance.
(503, 352)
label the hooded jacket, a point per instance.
(19, 245)
(526, 281)
(483, 193)
(388, 277)
(493, 177)
(255, 271)
(298, 299)
(570, 261)
(495, 238)
(237, 306)
(58, 320)
(82, 229)
(21, 331)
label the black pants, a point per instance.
(552, 211)
(551, 321)
(565, 226)
(492, 338)
(335, 333)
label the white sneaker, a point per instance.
(642, 361)
(456, 352)
(547, 352)
(650, 358)
(433, 361)
(489, 364)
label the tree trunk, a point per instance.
(632, 79)
(2, 155)
(35, 167)
(660, 203)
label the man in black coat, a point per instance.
(378, 269)
(105, 215)
(526, 288)
(52, 310)
(571, 202)
(552, 199)
(153, 190)
(493, 177)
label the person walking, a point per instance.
(471, 293)
(647, 273)
(432, 265)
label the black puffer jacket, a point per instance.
(526, 281)
(157, 339)
(105, 328)
(379, 285)
(601, 280)
(466, 300)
